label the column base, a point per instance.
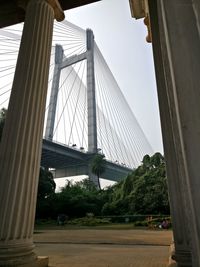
(179, 258)
(172, 263)
(41, 261)
(14, 254)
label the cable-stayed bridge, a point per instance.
(86, 112)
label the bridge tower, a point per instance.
(61, 63)
(54, 93)
(91, 99)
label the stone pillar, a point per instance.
(178, 78)
(91, 100)
(20, 148)
(54, 93)
(176, 184)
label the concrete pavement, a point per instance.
(104, 248)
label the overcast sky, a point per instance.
(121, 40)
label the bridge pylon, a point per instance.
(91, 98)
(54, 93)
(61, 63)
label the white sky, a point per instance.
(121, 40)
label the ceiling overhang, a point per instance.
(11, 13)
(137, 8)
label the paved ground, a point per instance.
(104, 248)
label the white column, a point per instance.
(20, 148)
(174, 174)
(180, 53)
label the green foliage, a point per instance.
(46, 195)
(46, 185)
(146, 161)
(142, 192)
(89, 221)
(75, 200)
(141, 223)
(98, 164)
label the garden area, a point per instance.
(140, 200)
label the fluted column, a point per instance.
(20, 148)
(180, 53)
(176, 182)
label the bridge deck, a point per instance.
(71, 162)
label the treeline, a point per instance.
(144, 191)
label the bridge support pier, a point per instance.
(176, 41)
(93, 177)
(20, 148)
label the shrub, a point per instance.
(89, 221)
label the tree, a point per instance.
(46, 185)
(46, 197)
(142, 192)
(146, 161)
(3, 112)
(76, 200)
(157, 160)
(98, 165)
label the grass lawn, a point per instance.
(112, 226)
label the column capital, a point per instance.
(140, 9)
(58, 12)
(147, 22)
